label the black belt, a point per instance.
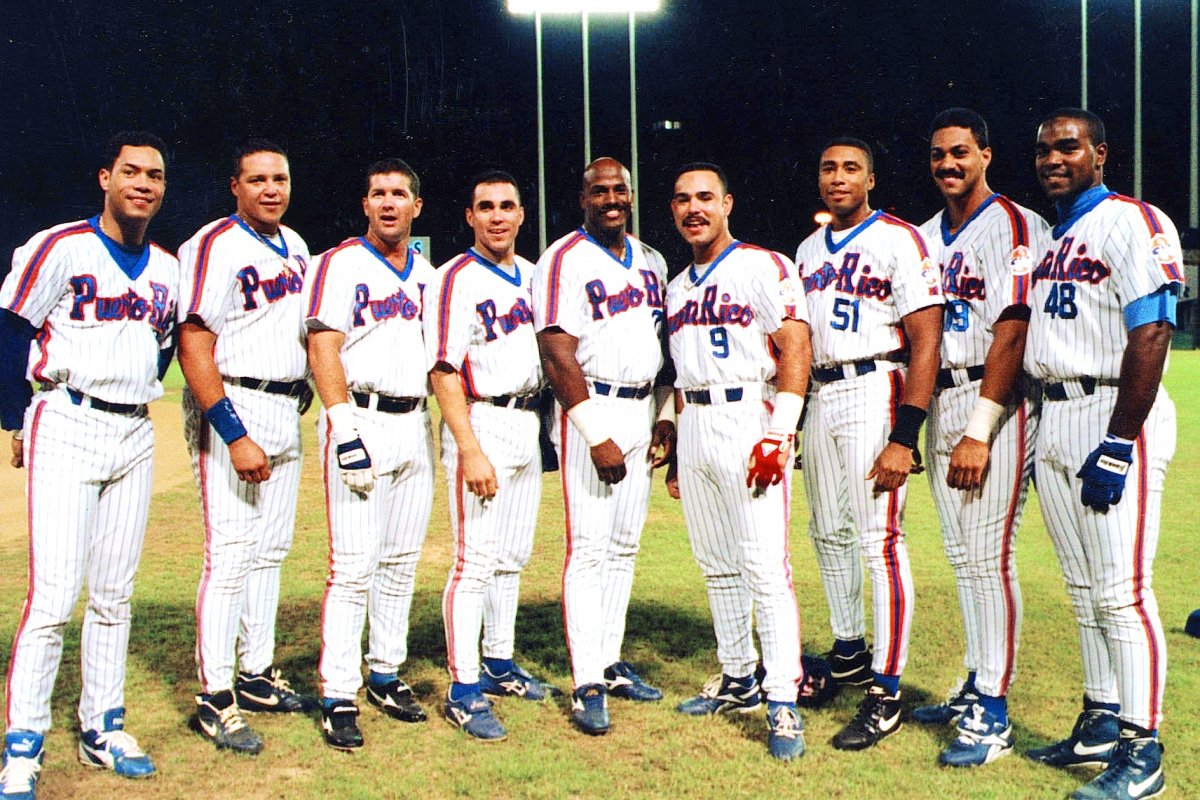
(289, 388)
(125, 409)
(945, 377)
(831, 374)
(1087, 384)
(704, 397)
(623, 392)
(521, 402)
(388, 405)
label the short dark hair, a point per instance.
(112, 148)
(850, 141)
(1095, 125)
(387, 165)
(704, 166)
(250, 147)
(490, 176)
(961, 118)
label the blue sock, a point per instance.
(772, 705)
(498, 666)
(329, 702)
(460, 690)
(1094, 705)
(970, 684)
(997, 706)
(889, 682)
(849, 647)
(380, 679)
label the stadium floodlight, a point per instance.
(583, 8)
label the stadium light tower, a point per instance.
(583, 8)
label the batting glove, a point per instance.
(768, 460)
(357, 472)
(1104, 473)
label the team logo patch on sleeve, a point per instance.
(1020, 262)
(929, 272)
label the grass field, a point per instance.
(651, 751)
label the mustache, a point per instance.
(688, 220)
(949, 173)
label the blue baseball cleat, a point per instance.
(957, 703)
(622, 681)
(786, 738)
(1091, 743)
(982, 738)
(723, 694)
(23, 756)
(473, 713)
(515, 683)
(113, 748)
(589, 709)
(1134, 773)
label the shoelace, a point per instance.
(786, 723)
(870, 711)
(120, 741)
(280, 683)
(712, 687)
(231, 718)
(956, 693)
(20, 774)
(975, 723)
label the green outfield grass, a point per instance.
(651, 751)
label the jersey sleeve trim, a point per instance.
(1020, 231)
(34, 266)
(789, 309)
(1170, 269)
(918, 240)
(200, 269)
(552, 284)
(314, 303)
(445, 304)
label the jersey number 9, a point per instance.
(720, 342)
(958, 318)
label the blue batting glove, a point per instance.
(1104, 473)
(356, 469)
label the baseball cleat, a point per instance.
(786, 738)
(721, 694)
(268, 691)
(878, 716)
(1134, 772)
(851, 670)
(23, 756)
(982, 738)
(473, 714)
(515, 683)
(396, 699)
(219, 720)
(113, 748)
(339, 725)
(1091, 743)
(589, 709)
(957, 703)
(621, 681)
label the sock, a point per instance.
(970, 684)
(773, 705)
(849, 647)
(1131, 731)
(1094, 705)
(329, 702)
(889, 682)
(997, 706)
(744, 681)
(498, 666)
(380, 679)
(460, 690)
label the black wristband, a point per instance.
(908, 426)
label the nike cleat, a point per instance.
(268, 691)
(723, 694)
(219, 720)
(878, 716)
(1134, 773)
(957, 703)
(982, 738)
(1091, 743)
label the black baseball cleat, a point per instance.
(268, 691)
(851, 670)
(396, 699)
(878, 716)
(219, 720)
(339, 725)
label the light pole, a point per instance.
(584, 8)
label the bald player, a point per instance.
(598, 312)
(1105, 287)
(876, 314)
(98, 301)
(981, 428)
(487, 377)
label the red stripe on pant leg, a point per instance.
(895, 586)
(1006, 576)
(787, 567)
(31, 576)
(325, 466)
(460, 544)
(1139, 577)
(564, 461)
(203, 445)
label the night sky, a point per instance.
(449, 86)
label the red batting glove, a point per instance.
(768, 460)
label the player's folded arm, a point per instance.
(16, 333)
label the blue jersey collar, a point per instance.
(862, 226)
(697, 280)
(402, 274)
(514, 279)
(948, 237)
(131, 260)
(626, 262)
(281, 250)
(1082, 204)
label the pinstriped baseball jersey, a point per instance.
(720, 317)
(103, 310)
(861, 287)
(583, 289)
(247, 290)
(985, 266)
(355, 290)
(481, 323)
(1112, 250)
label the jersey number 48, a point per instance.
(1060, 303)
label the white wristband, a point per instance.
(983, 420)
(19, 434)
(341, 419)
(591, 422)
(665, 396)
(785, 417)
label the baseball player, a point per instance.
(364, 302)
(1103, 300)
(874, 306)
(487, 377)
(598, 308)
(741, 350)
(981, 429)
(241, 349)
(97, 301)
